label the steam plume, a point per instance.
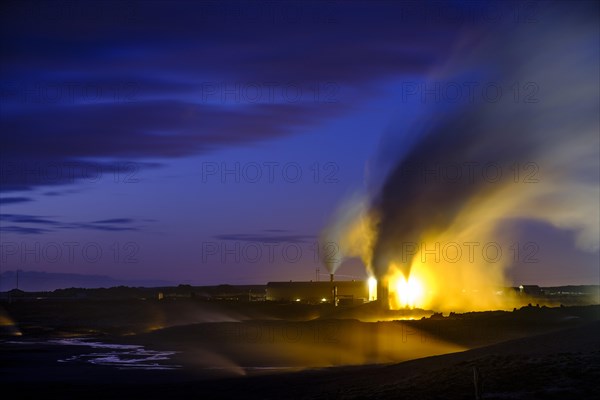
(480, 163)
(472, 157)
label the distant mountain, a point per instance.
(38, 281)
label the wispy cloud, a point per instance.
(23, 230)
(14, 200)
(261, 238)
(114, 224)
(115, 221)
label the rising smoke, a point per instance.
(521, 156)
(349, 234)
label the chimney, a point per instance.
(334, 295)
(383, 294)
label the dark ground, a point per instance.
(533, 353)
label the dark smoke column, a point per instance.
(464, 152)
(383, 294)
(435, 180)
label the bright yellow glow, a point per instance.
(372, 282)
(323, 299)
(409, 292)
(456, 269)
(414, 292)
(297, 299)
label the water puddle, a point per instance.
(121, 356)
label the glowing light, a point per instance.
(297, 299)
(409, 292)
(323, 299)
(372, 283)
(153, 328)
(406, 293)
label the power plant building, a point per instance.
(319, 292)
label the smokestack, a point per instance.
(334, 294)
(383, 294)
(331, 278)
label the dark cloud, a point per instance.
(27, 219)
(114, 224)
(115, 221)
(87, 81)
(131, 132)
(346, 41)
(13, 200)
(102, 227)
(28, 171)
(149, 128)
(251, 237)
(60, 193)
(23, 230)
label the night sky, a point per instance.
(211, 142)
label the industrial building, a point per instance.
(338, 292)
(531, 290)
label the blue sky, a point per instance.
(117, 120)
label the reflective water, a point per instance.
(121, 356)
